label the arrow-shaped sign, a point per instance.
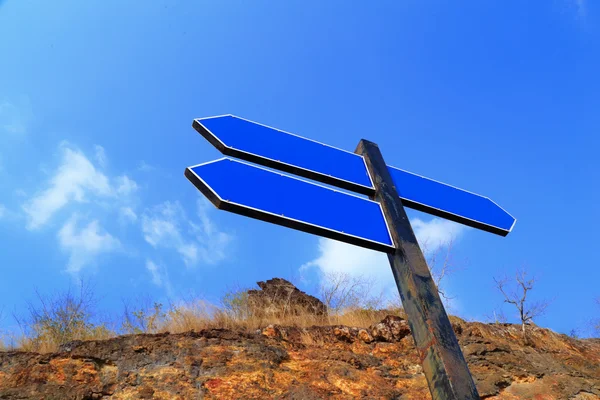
(288, 152)
(380, 225)
(273, 197)
(451, 203)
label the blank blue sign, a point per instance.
(274, 148)
(270, 196)
(271, 147)
(449, 202)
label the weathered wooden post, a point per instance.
(443, 363)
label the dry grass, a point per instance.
(69, 316)
(201, 315)
(192, 316)
(58, 319)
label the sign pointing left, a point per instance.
(256, 192)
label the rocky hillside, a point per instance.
(319, 362)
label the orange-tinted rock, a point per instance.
(320, 362)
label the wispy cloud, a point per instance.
(77, 180)
(86, 244)
(153, 268)
(581, 6)
(215, 241)
(144, 167)
(334, 256)
(127, 214)
(100, 156)
(573, 8)
(15, 116)
(167, 226)
(161, 228)
(160, 276)
(75, 177)
(125, 186)
(2, 210)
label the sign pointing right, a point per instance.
(291, 153)
(449, 202)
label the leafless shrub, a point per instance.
(59, 319)
(574, 333)
(496, 317)
(3, 345)
(142, 320)
(341, 291)
(596, 323)
(442, 264)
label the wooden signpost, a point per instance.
(383, 225)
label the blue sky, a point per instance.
(97, 101)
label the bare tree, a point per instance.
(518, 298)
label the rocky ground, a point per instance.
(331, 362)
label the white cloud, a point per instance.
(125, 185)
(2, 210)
(167, 226)
(153, 268)
(100, 155)
(75, 180)
(436, 233)
(144, 167)
(335, 256)
(216, 242)
(14, 117)
(128, 214)
(160, 276)
(86, 244)
(161, 228)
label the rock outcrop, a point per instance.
(279, 297)
(320, 362)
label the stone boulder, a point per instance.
(278, 297)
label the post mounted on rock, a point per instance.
(443, 363)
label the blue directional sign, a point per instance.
(274, 148)
(257, 143)
(436, 198)
(232, 185)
